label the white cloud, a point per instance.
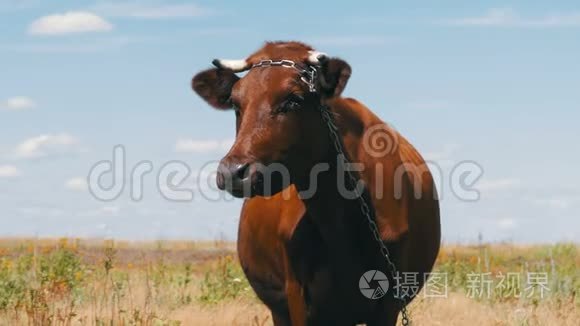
(560, 202)
(110, 210)
(41, 211)
(45, 145)
(68, 23)
(506, 17)
(445, 154)
(202, 146)
(104, 211)
(19, 103)
(506, 223)
(555, 203)
(9, 171)
(77, 184)
(489, 185)
(149, 10)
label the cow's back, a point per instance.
(400, 183)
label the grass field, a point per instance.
(90, 282)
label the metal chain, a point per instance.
(364, 207)
(308, 75)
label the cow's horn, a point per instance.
(316, 57)
(234, 65)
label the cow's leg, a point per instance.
(296, 303)
(294, 295)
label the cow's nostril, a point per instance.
(233, 177)
(240, 171)
(221, 180)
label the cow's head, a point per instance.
(279, 132)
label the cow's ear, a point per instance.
(215, 86)
(334, 74)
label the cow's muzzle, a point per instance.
(239, 179)
(244, 180)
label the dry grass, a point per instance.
(457, 309)
(91, 282)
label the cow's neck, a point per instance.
(322, 195)
(338, 219)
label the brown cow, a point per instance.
(303, 243)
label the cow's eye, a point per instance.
(292, 103)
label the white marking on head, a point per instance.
(235, 65)
(315, 57)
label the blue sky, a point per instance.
(492, 82)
